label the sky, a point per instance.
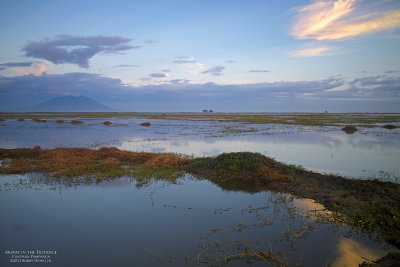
(188, 55)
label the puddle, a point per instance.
(191, 223)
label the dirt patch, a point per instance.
(107, 123)
(76, 122)
(349, 129)
(145, 124)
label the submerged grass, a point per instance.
(369, 204)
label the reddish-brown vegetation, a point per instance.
(269, 175)
(60, 121)
(76, 122)
(107, 122)
(71, 162)
(145, 124)
(38, 120)
(20, 119)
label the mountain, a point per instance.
(69, 104)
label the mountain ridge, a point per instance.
(69, 104)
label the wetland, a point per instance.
(192, 189)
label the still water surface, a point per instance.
(116, 223)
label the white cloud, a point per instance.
(313, 51)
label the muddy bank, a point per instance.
(367, 204)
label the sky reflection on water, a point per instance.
(116, 223)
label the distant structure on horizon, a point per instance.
(208, 111)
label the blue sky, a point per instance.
(340, 56)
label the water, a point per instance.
(368, 153)
(116, 223)
(192, 222)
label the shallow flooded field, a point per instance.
(369, 152)
(189, 222)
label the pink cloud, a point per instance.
(329, 20)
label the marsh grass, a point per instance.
(374, 216)
(241, 171)
(76, 162)
(233, 130)
(76, 122)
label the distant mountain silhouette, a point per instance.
(69, 104)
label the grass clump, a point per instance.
(76, 122)
(60, 121)
(349, 129)
(240, 171)
(145, 124)
(38, 120)
(107, 123)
